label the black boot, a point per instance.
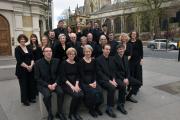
(121, 108)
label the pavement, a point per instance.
(153, 103)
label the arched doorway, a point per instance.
(5, 44)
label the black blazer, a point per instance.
(121, 67)
(21, 57)
(104, 70)
(47, 73)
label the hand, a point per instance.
(29, 68)
(50, 87)
(77, 88)
(72, 88)
(54, 86)
(113, 83)
(126, 81)
(93, 85)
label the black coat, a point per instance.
(105, 71)
(121, 67)
(21, 57)
(47, 73)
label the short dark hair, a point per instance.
(106, 45)
(61, 21)
(104, 25)
(46, 47)
(22, 36)
(120, 46)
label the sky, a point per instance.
(61, 5)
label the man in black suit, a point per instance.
(106, 78)
(123, 75)
(47, 76)
(60, 29)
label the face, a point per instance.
(78, 25)
(69, 29)
(84, 41)
(22, 41)
(106, 50)
(44, 41)
(33, 39)
(123, 38)
(120, 51)
(47, 53)
(103, 40)
(62, 39)
(111, 36)
(89, 37)
(71, 55)
(73, 37)
(96, 25)
(51, 34)
(61, 24)
(87, 52)
(89, 25)
(134, 35)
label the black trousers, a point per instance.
(134, 86)
(47, 98)
(27, 86)
(136, 70)
(111, 92)
(76, 99)
(93, 97)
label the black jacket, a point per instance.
(47, 73)
(121, 67)
(104, 70)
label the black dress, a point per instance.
(26, 79)
(93, 96)
(70, 72)
(136, 49)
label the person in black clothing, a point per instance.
(34, 46)
(75, 44)
(47, 75)
(70, 85)
(102, 41)
(136, 59)
(61, 47)
(124, 38)
(105, 31)
(79, 32)
(96, 32)
(92, 43)
(92, 91)
(60, 29)
(80, 49)
(106, 78)
(122, 74)
(113, 43)
(24, 66)
(52, 40)
(88, 29)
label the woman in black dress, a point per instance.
(92, 91)
(136, 59)
(34, 46)
(61, 48)
(70, 85)
(25, 62)
(102, 41)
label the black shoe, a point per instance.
(131, 99)
(111, 113)
(32, 101)
(98, 111)
(121, 109)
(61, 116)
(26, 103)
(77, 117)
(93, 113)
(71, 117)
(50, 117)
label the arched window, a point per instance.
(117, 25)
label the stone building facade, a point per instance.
(22, 16)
